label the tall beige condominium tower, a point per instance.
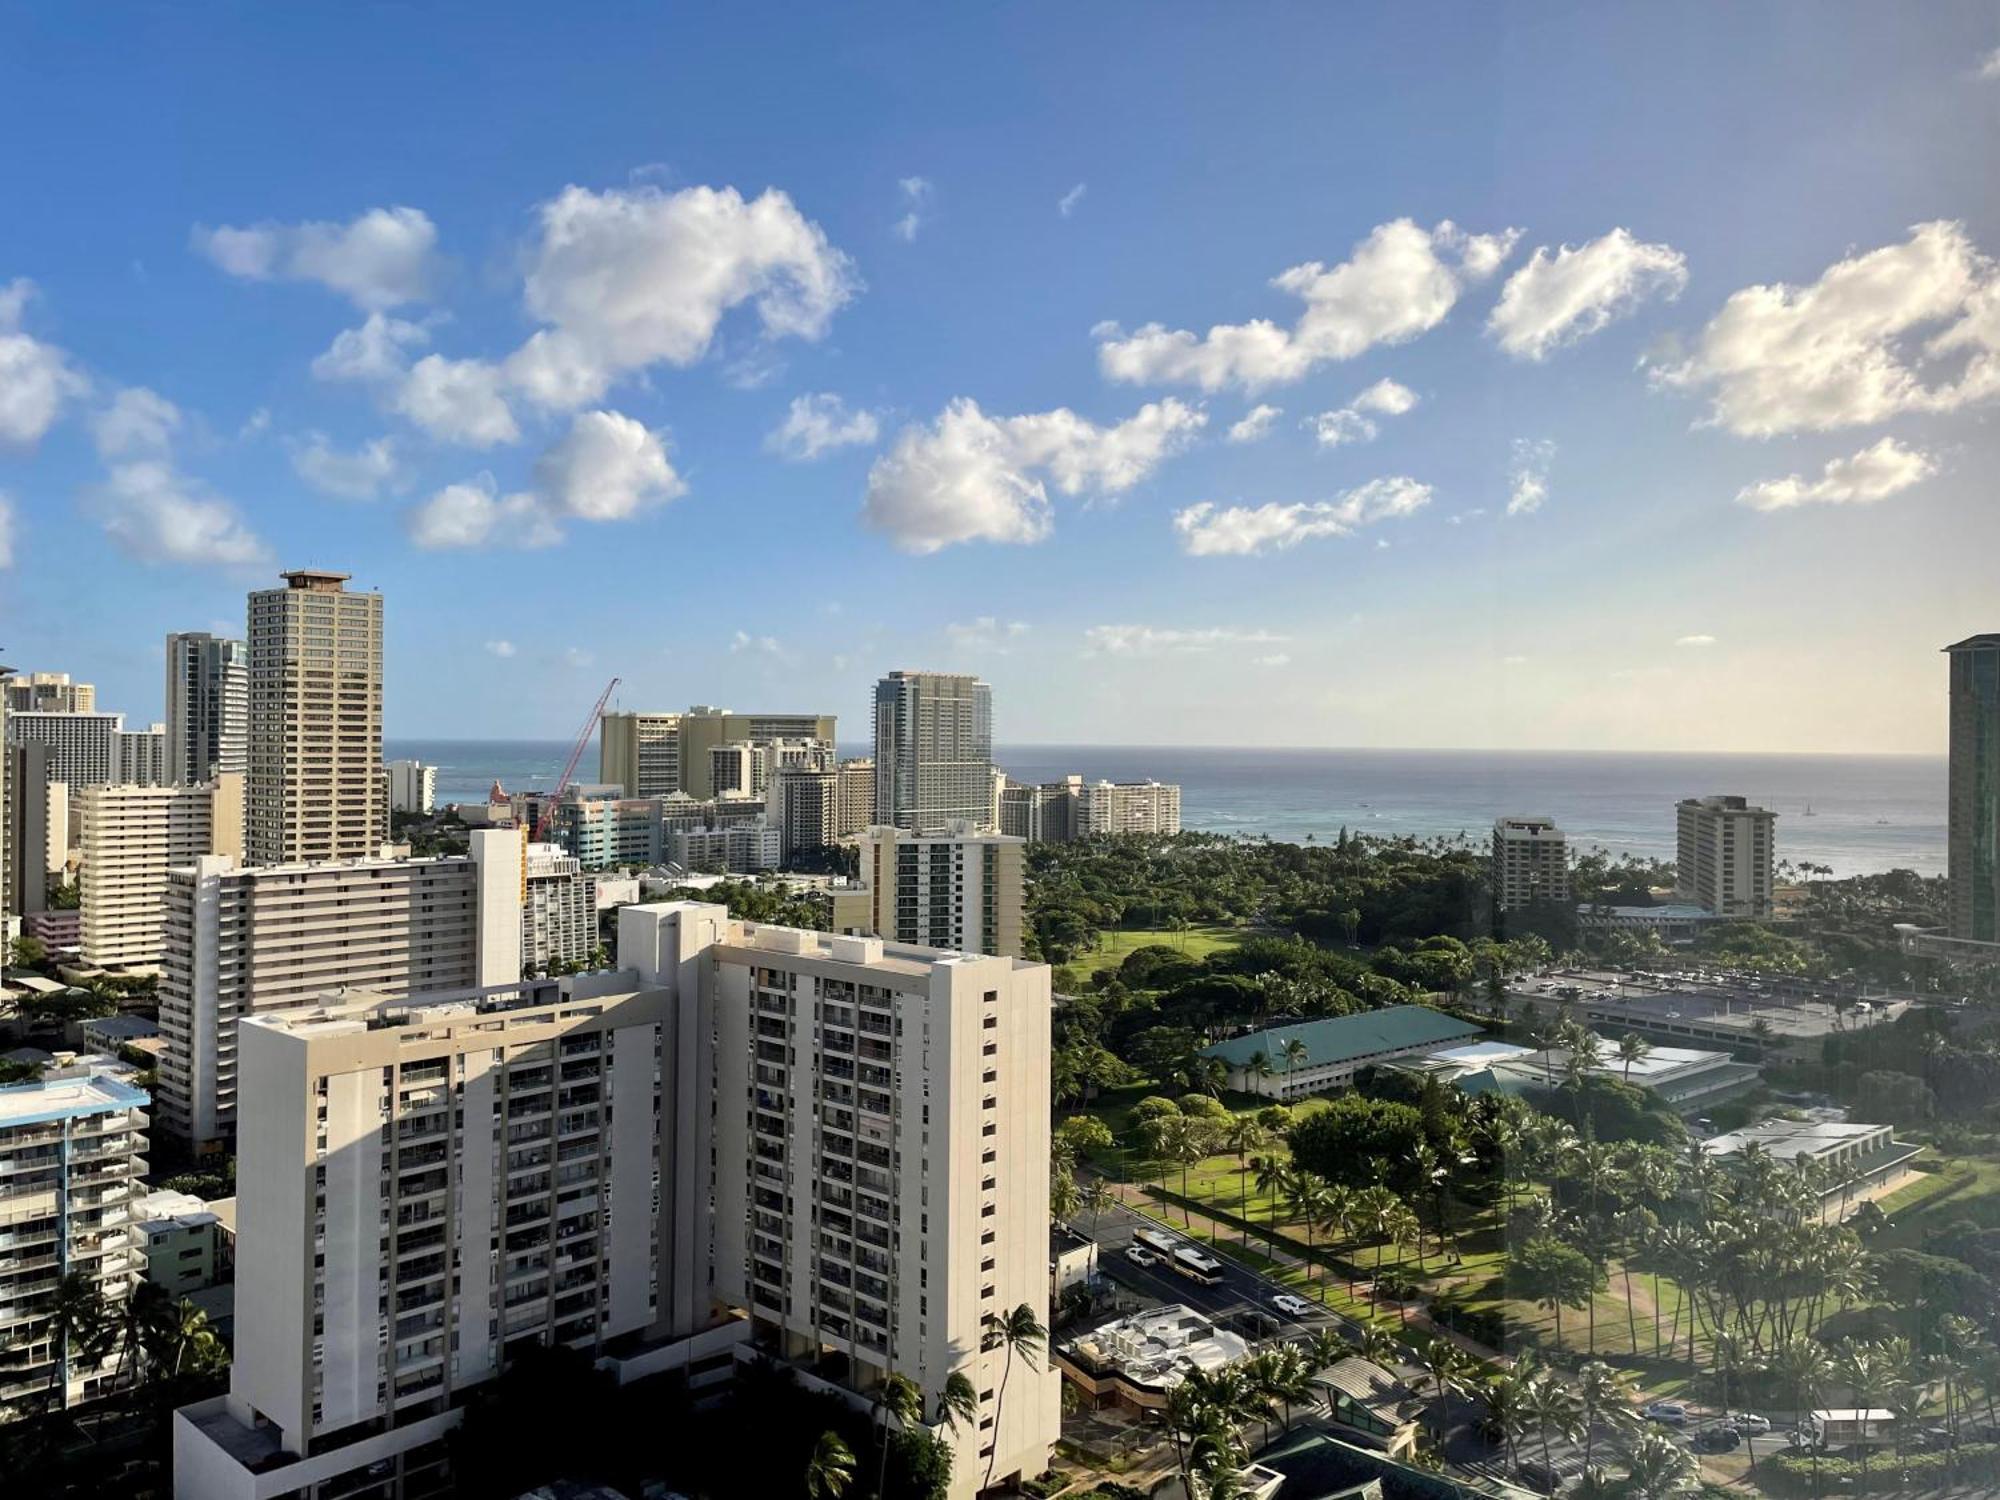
(316, 790)
(131, 836)
(1530, 862)
(933, 751)
(960, 889)
(49, 693)
(1723, 855)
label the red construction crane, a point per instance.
(569, 766)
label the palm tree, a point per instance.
(183, 1339)
(957, 1402)
(1604, 1396)
(75, 1322)
(1243, 1135)
(1553, 1408)
(831, 1468)
(1660, 1467)
(1294, 1052)
(898, 1396)
(1065, 1197)
(1311, 1202)
(1274, 1175)
(1633, 1048)
(1017, 1333)
(1801, 1364)
(1095, 1199)
(1868, 1371)
(1448, 1372)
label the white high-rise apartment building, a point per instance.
(247, 940)
(208, 706)
(71, 1159)
(933, 751)
(315, 789)
(428, 1190)
(83, 748)
(1530, 862)
(1074, 808)
(412, 786)
(139, 756)
(959, 888)
(558, 911)
(879, 1147)
(130, 837)
(1723, 855)
(48, 692)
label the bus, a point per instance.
(1155, 1239)
(1196, 1266)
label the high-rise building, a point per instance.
(412, 786)
(959, 889)
(83, 747)
(740, 766)
(738, 848)
(139, 756)
(28, 802)
(72, 1156)
(875, 1166)
(933, 751)
(1073, 808)
(1973, 820)
(1530, 862)
(855, 811)
(208, 706)
(656, 754)
(558, 911)
(130, 837)
(1723, 855)
(49, 693)
(804, 806)
(426, 1192)
(315, 788)
(243, 940)
(599, 827)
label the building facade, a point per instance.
(1073, 808)
(1724, 855)
(34, 819)
(83, 748)
(957, 889)
(48, 693)
(1530, 863)
(933, 751)
(130, 837)
(412, 787)
(71, 1159)
(1973, 820)
(315, 784)
(207, 706)
(139, 756)
(856, 807)
(656, 754)
(742, 848)
(558, 911)
(246, 940)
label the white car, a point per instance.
(1140, 1257)
(1749, 1423)
(1668, 1413)
(1297, 1307)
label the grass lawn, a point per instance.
(1967, 1188)
(1114, 944)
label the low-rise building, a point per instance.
(109, 1034)
(1072, 1260)
(1374, 1406)
(1138, 1360)
(1854, 1160)
(736, 849)
(1675, 922)
(180, 1237)
(1310, 1057)
(1686, 1079)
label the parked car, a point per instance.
(1666, 1413)
(1749, 1423)
(1140, 1257)
(1285, 1302)
(1717, 1440)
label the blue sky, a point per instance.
(592, 262)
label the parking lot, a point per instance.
(1702, 1007)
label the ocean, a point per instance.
(1858, 814)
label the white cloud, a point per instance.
(1563, 298)
(1275, 659)
(360, 475)
(916, 193)
(1908, 327)
(1208, 530)
(381, 259)
(6, 531)
(762, 645)
(1695, 640)
(472, 515)
(1401, 281)
(1067, 203)
(501, 649)
(971, 477)
(157, 514)
(608, 467)
(1148, 640)
(1989, 67)
(630, 278)
(137, 421)
(818, 424)
(987, 633)
(1352, 422)
(457, 400)
(1875, 473)
(1528, 475)
(36, 379)
(1255, 425)
(376, 351)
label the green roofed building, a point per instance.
(1335, 1049)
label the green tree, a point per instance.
(831, 1468)
(1553, 1275)
(1021, 1336)
(897, 1399)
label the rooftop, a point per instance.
(1343, 1038)
(1159, 1346)
(67, 1095)
(1319, 1466)
(1790, 1138)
